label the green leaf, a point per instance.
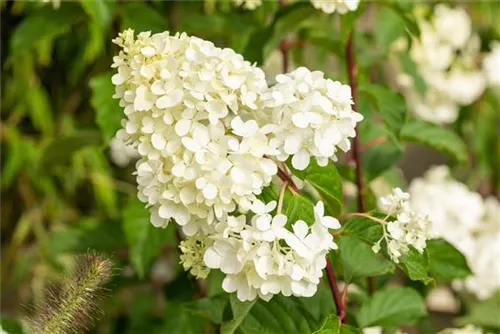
(45, 23)
(11, 325)
(287, 20)
(416, 266)
(392, 307)
(102, 235)
(406, 15)
(435, 137)
(240, 311)
(179, 319)
(358, 259)
(390, 105)
(300, 208)
(140, 17)
(40, 110)
(99, 10)
(482, 313)
(108, 111)
(362, 228)
(211, 308)
(410, 67)
(381, 156)
(144, 239)
(332, 325)
(269, 194)
(327, 181)
(61, 149)
(445, 261)
(389, 27)
(279, 315)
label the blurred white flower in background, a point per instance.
(339, 6)
(468, 222)
(469, 329)
(491, 65)
(248, 4)
(447, 58)
(122, 154)
(55, 3)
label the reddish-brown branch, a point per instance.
(335, 290)
(356, 154)
(356, 149)
(284, 176)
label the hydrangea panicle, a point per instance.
(407, 229)
(262, 257)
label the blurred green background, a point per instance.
(61, 194)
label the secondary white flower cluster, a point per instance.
(447, 57)
(263, 258)
(468, 222)
(314, 117)
(469, 329)
(491, 65)
(408, 229)
(121, 153)
(339, 6)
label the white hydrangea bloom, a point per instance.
(443, 199)
(55, 3)
(469, 329)
(491, 65)
(122, 154)
(181, 96)
(313, 117)
(339, 6)
(248, 4)
(446, 58)
(464, 219)
(263, 258)
(408, 229)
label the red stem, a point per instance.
(283, 175)
(335, 290)
(339, 305)
(356, 150)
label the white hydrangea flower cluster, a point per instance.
(263, 258)
(314, 117)
(469, 329)
(408, 229)
(447, 58)
(248, 4)
(468, 222)
(339, 6)
(208, 130)
(491, 65)
(122, 154)
(181, 96)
